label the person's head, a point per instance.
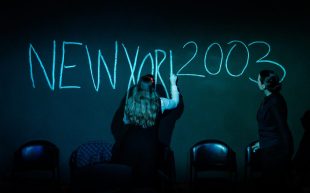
(269, 80)
(147, 83)
(305, 120)
(142, 107)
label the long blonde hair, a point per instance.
(142, 107)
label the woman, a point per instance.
(275, 139)
(139, 145)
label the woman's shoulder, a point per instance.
(277, 99)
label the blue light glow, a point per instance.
(32, 152)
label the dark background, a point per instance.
(219, 106)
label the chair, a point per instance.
(252, 162)
(212, 156)
(36, 167)
(91, 170)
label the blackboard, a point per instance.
(52, 88)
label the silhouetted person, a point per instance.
(275, 138)
(137, 141)
(302, 156)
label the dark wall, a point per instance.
(218, 104)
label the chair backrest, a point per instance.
(37, 155)
(212, 154)
(90, 153)
(91, 169)
(252, 159)
(216, 162)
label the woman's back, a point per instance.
(139, 147)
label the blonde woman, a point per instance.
(139, 146)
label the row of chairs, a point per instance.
(90, 167)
